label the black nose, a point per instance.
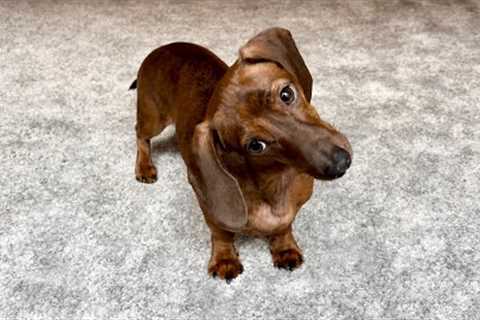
(341, 162)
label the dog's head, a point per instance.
(260, 117)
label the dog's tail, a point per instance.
(133, 86)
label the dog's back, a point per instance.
(174, 85)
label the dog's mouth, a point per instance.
(324, 177)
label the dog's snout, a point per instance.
(341, 162)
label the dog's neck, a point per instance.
(267, 187)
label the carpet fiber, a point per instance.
(397, 238)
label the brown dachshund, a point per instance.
(250, 139)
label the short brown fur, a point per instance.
(218, 111)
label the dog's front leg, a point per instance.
(284, 249)
(224, 261)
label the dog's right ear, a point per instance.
(215, 187)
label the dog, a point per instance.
(250, 139)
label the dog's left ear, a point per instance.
(277, 45)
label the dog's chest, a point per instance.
(274, 214)
(263, 219)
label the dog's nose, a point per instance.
(341, 162)
(342, 159)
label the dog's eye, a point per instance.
(287, 95)
(256, 146)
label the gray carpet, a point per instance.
(397, 238)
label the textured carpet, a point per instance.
(397, 238)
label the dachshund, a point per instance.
(250, 139)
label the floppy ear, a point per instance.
(215, 187)
(277, 45)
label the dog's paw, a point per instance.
(226, 269)
(289, 259)
(146, 174)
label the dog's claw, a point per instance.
(289, 259)
(226, 269)
(146, 179)
(146, 174)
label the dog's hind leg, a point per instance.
(150, 123)
(145, 170)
